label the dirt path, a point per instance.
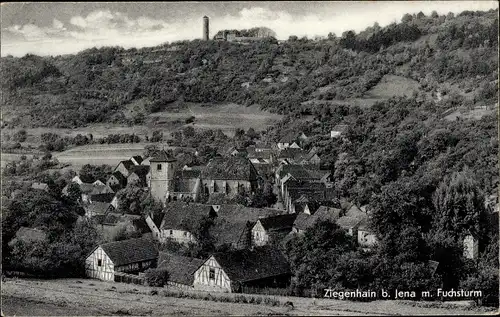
(73, 297)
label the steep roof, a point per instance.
(299, 172)
(97, 207)
(140, 170)
(192, 173)
(291, 153)
(230, 168)
(180, 268)
(104, 198)
(180, 215)
(232, 233)
(130, 251)
(127, 164)
(278, 222)
(239, 213)
(119, 176)
(302, 221)
(348, 222)
(162, 156)
(290, 137)
(249, 265)
(137, 158)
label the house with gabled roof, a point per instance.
(178, 221)
(127, 256)
(124, 167)
(231, 271)
(116, 181)
(180, 269)
(139, 175)
(324, 213)
(229, 175)
(273, 228)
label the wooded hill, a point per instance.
(441, 54)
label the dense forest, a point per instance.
(429, 179)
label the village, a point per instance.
(250, 237)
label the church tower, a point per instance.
(162, 171)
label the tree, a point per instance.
(130, 200)
(90, 173)
(20, 136)
(157, 277)
(459, 204)
(406, 18)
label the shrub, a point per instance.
(156, 277)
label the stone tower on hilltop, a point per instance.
(162, 175)
(206, 30)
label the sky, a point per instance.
(65, 28)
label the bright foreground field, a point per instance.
(72, 297)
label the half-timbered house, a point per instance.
(230, 271)
(127, 256)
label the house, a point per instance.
(295, 193)
(127, 256)
(234, 223)
(116, 181)
(231, 271)
(324, 213)
(231, 175)
(136, 159)
(272, 228)
(180, 269)
(40, 186)
(178, 221)
(350, 224)
(167, 183)
(287, 140)
(338, 130)
(139, 175)
(124, 167)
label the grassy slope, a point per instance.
(90, 297)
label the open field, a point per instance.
(72, 297)
(226, 117)
(97, 154)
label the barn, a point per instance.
(232, 270)
(126, 256)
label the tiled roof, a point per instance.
(291, 153)
(113, 218)
(231, 233)
(162, 156)
(230, 168)
(239, 213)
(249, 265)
(290, 137)
(130, 251)
(348, 222)
(299, 172)
(104, 198)
(128, 164)
(180, 268)
(187, 173)
(137, 158)
(97, 207)
(278, 222)
(180, 215)
(119, 176)
(302, 221)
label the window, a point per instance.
(171, 232)
(99, 262)
(212, 274)
(185, 233)
(158, 167)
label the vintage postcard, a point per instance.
(249, 158)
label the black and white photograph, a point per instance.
(308, 158)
